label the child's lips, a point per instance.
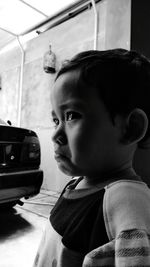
(59, 155)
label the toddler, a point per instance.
(100, 108)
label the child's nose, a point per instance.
(59, 137)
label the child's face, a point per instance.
(85, 140)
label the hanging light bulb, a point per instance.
(49, 61)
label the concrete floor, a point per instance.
(21, 229)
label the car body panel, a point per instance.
(20, 157)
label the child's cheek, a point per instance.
(78, 139)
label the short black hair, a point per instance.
(121, 76)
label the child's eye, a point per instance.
(72, 115)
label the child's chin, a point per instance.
(67, 170)
(64, 169)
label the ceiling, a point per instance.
(20, 17)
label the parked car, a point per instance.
(20, 173)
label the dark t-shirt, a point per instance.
(78, 218)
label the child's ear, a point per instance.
(135, 126)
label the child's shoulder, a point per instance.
(126, 206)
(122, 192)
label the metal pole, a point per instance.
(95, 24)
(20, 83)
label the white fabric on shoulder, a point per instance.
(127, 220)
(126, 206)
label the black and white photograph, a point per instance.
(74, 133)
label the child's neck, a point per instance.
(105, 179)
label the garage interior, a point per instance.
(69, 27)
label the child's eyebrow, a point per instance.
(76, 104)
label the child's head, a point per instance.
(100, 104)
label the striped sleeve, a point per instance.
(130, 249)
